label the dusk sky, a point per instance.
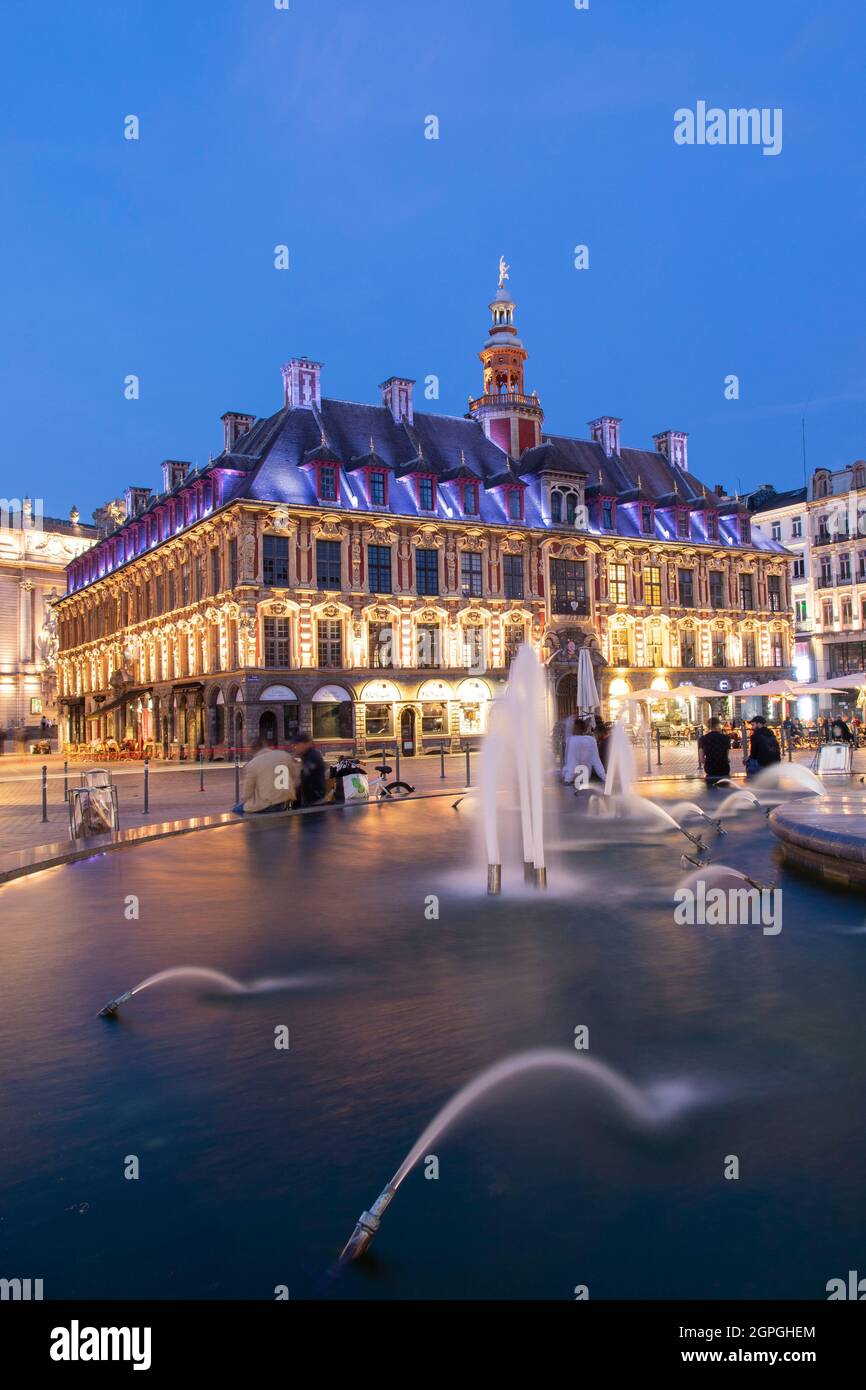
(261, 127)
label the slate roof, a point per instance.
(274, 461)
(781, 499)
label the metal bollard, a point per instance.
(201, 769)
(44, 792)
(468, 772)
(441, 759)
(649, 752)
(66, 781)
(146, 785)
(659, 747)
(397, 761)
(237, 779)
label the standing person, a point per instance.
(715, 749)
(581, 750)
(269, 781)
(763, 746)
(313, 771)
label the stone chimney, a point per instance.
(302, 383)
(397, 396)
(605, 431)
(235, 423)
(674, 444)
(136, 499)
(173, 472)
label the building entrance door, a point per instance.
(407, 732)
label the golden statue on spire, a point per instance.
(503, 272)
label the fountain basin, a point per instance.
(826, 838)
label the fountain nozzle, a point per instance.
(110, 1009)
(494, 880)
(541, 877)
(366, 1227)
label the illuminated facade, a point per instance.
(34, 553)
(369, 571)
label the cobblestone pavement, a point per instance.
(174, 787)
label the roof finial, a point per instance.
(639, 483)
(503, 272)
(600, 479)
(462, 459)
(372, 450)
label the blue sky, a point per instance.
(306, 127)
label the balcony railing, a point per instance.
(505, 398)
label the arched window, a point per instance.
(556, 507)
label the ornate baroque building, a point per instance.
(369, 571)
(34, 553)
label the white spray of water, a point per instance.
(789, 777)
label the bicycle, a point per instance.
(388, 791)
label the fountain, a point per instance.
(789, 777)
(199, 972)
(691, 808)
(517, 738)
(642, 1107)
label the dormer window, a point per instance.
(608, 513)
(563, 506)
(470, 499)
(378, 488)
(682, 523)
(514, 503)
(646, 520)
(426, 495)
(327, 482)
(712, 526)
(745, 530)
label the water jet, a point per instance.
(494, 880)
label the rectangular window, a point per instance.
(473, 646)
(745, 530)
(776, 530)
(377, 489)
(686, 581)
(846, 657)
(328, 482)
(747, 599)
(427, 643)
(330, 632)
(712, 523)
(800, 610)
(380, 721)
(682, 525)
(607, 514)
(617, 583)
(719, 649)
(845, 567)
(470, 499)
(380, 646)
(655, 647)
(777, 649)
(646, 520)
(774, 593)
(749, 649)
(717, 588)
(796, 527)
(276, 633)
(515, 636)
(215, 575)
(687, 647)
(652, 586)
(427, 571)
(512, 575)
(233, 563)
(798, 569)
(515, 504)
(619, 647)
(379, 565)
(827, 612)
(328, 565)
(275, 560)
(845, 613)
(426, 494)
(470, 573)
(568, 587)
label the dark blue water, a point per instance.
(255, 1162)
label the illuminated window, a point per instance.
(617, 583)
(653, 586)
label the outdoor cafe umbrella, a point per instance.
(587, 691)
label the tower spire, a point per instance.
(510, 417)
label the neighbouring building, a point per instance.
(34, 553)
(824, 526)
(369, 572)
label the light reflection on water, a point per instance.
(255, 1162)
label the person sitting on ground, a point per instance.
(313, 770)
(715, 746)
(581, 750)
(269, 781)
(763, 746)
